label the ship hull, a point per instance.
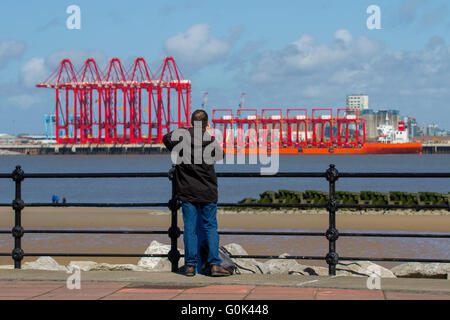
(367, 148)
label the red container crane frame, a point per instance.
(76, 94)
(226, 123)
(292, 121)
(322, 122)
(245, 123)
(270, 122)
(343, 120)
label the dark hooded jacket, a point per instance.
(195, 178)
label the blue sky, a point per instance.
(281, 53)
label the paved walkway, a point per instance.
(127, 285)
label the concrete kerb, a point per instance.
(137, 278)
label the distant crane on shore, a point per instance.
(241, 104)
(205, 99)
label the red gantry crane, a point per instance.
(118, 107)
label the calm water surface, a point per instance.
(158, 189)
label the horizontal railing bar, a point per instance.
(255, 233)
(235, 175)
(97, 204)
(272, 205)
(392, 206)
(96, 175)
(272, 233)
(96, 231)
(343, 206)
(132, 255)
(106, 255)
(394, 259)
(340, 258)
(394, 175)
(276, 175)
(395, 235)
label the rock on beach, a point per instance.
(272, 266)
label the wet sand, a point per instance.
(118, 218)
(437, 221)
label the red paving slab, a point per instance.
(281, 293)
(222, 289)
(209, 296)
(283, 290)
(26, 289)
(345, 294)
(278, 297)
(415, 296)
(19, 290)
(87, 291)
(149, 290)
(140, 296)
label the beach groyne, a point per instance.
(349, 198)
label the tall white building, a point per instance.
(358, 101)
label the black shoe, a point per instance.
(190, 271)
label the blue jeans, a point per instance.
(200, 225)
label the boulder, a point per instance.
(343, 268)
(116, 267)
(7, 267)
(82, 265)
(158, 264)
(422, 270)
(362, 268)
(244, 265)
(43, 263)
(309, 270)
(280, 266)
(95, 266)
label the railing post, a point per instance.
(17, 205)
(174, 232)
(332, 234)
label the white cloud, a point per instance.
(313, 73)
(37, 70)
(77, 57)
(196, 46)
(10, 49)
(343, 35)
(33, 71)
(23, 101)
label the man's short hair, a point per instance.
(200, 115)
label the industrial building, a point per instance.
(358, 101)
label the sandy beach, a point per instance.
(402, 220)
(119, 218)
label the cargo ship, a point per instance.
(389, 141)
(366, 148)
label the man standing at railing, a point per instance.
(194, 150)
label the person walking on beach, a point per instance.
(55, 199)
(196, 187)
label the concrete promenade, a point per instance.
(129, 285)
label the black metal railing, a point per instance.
(332, 234)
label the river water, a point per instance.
(230, 189)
